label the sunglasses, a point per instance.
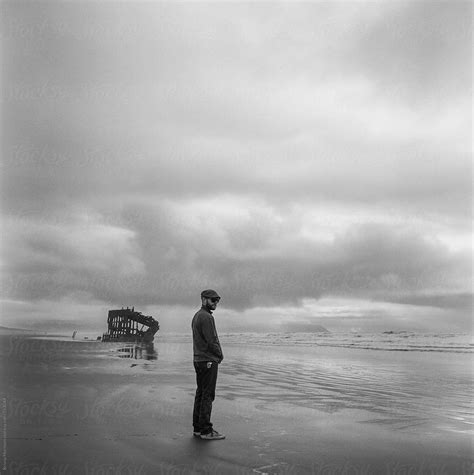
(215, 299)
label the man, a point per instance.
(207, 355)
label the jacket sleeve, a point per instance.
(209, 334)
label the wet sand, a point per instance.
(86, 407)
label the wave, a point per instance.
(397, 341)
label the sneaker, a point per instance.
(214, 435)
(197, 434)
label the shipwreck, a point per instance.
(130, 326)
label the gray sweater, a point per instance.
(206, 345)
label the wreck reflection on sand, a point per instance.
(138, 351)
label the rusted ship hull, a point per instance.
(127, 325)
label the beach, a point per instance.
(112, 408)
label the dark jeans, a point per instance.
(206, 379)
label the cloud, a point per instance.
(412, 51)
(54, 261)
(254, 254)
(278, 152)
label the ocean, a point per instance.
(385, 341)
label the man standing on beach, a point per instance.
(207, 356)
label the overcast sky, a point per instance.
(309, 161)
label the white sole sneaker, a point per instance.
(212, 436)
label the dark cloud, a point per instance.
(460, 301)
(168, 257)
